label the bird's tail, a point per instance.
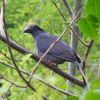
(78, 66)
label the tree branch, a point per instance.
(4, 54)
(8, 43)
(26, 73)
(55, 88)
(59, 10)
(49, 65)
(79, 38)
(51, 46)
(68, 7)
(12, 67)
(11, 82)
(25, 51)
(74, 40)
(6, 94)
(86, 54)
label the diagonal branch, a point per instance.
(79, 38)
(4, 54)
(68, 7)
(6, 79)
(51, 46)
(26, 73)
(86, 54)
(9, 48)
(12, 67)
(5, 95)
(55, 88)
(59, 10)
(49, 65)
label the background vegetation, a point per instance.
(45, 14)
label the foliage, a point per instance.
(90, 23)
(44, 13)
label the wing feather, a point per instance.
(60, 49)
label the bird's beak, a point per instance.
(25, 30)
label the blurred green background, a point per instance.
(43, 13)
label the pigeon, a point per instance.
(59, 53)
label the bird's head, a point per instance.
(33, 29)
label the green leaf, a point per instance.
(93, 8)
(89, 26)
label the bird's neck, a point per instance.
(37, 32)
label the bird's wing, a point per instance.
(60, 49)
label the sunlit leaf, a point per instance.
(89, 26)
(93, 8)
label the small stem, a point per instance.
(51, 46)
(55, 88)
(68, 7)
(59, 10)
(79, 38)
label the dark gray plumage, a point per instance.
(60, 53)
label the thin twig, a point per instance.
(49, 65)
(17, 69)
(4, 54)
(85, 57)
(11, 66)
(69, 10)
(7, 91)
(86, 54)
(55, 88)
(77, 13)
(45, 98)
(59, 10)
(51, 86)
(79, 38)
(6, 79)
(51, 46)
(68, 7)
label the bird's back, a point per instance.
(59, 53)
